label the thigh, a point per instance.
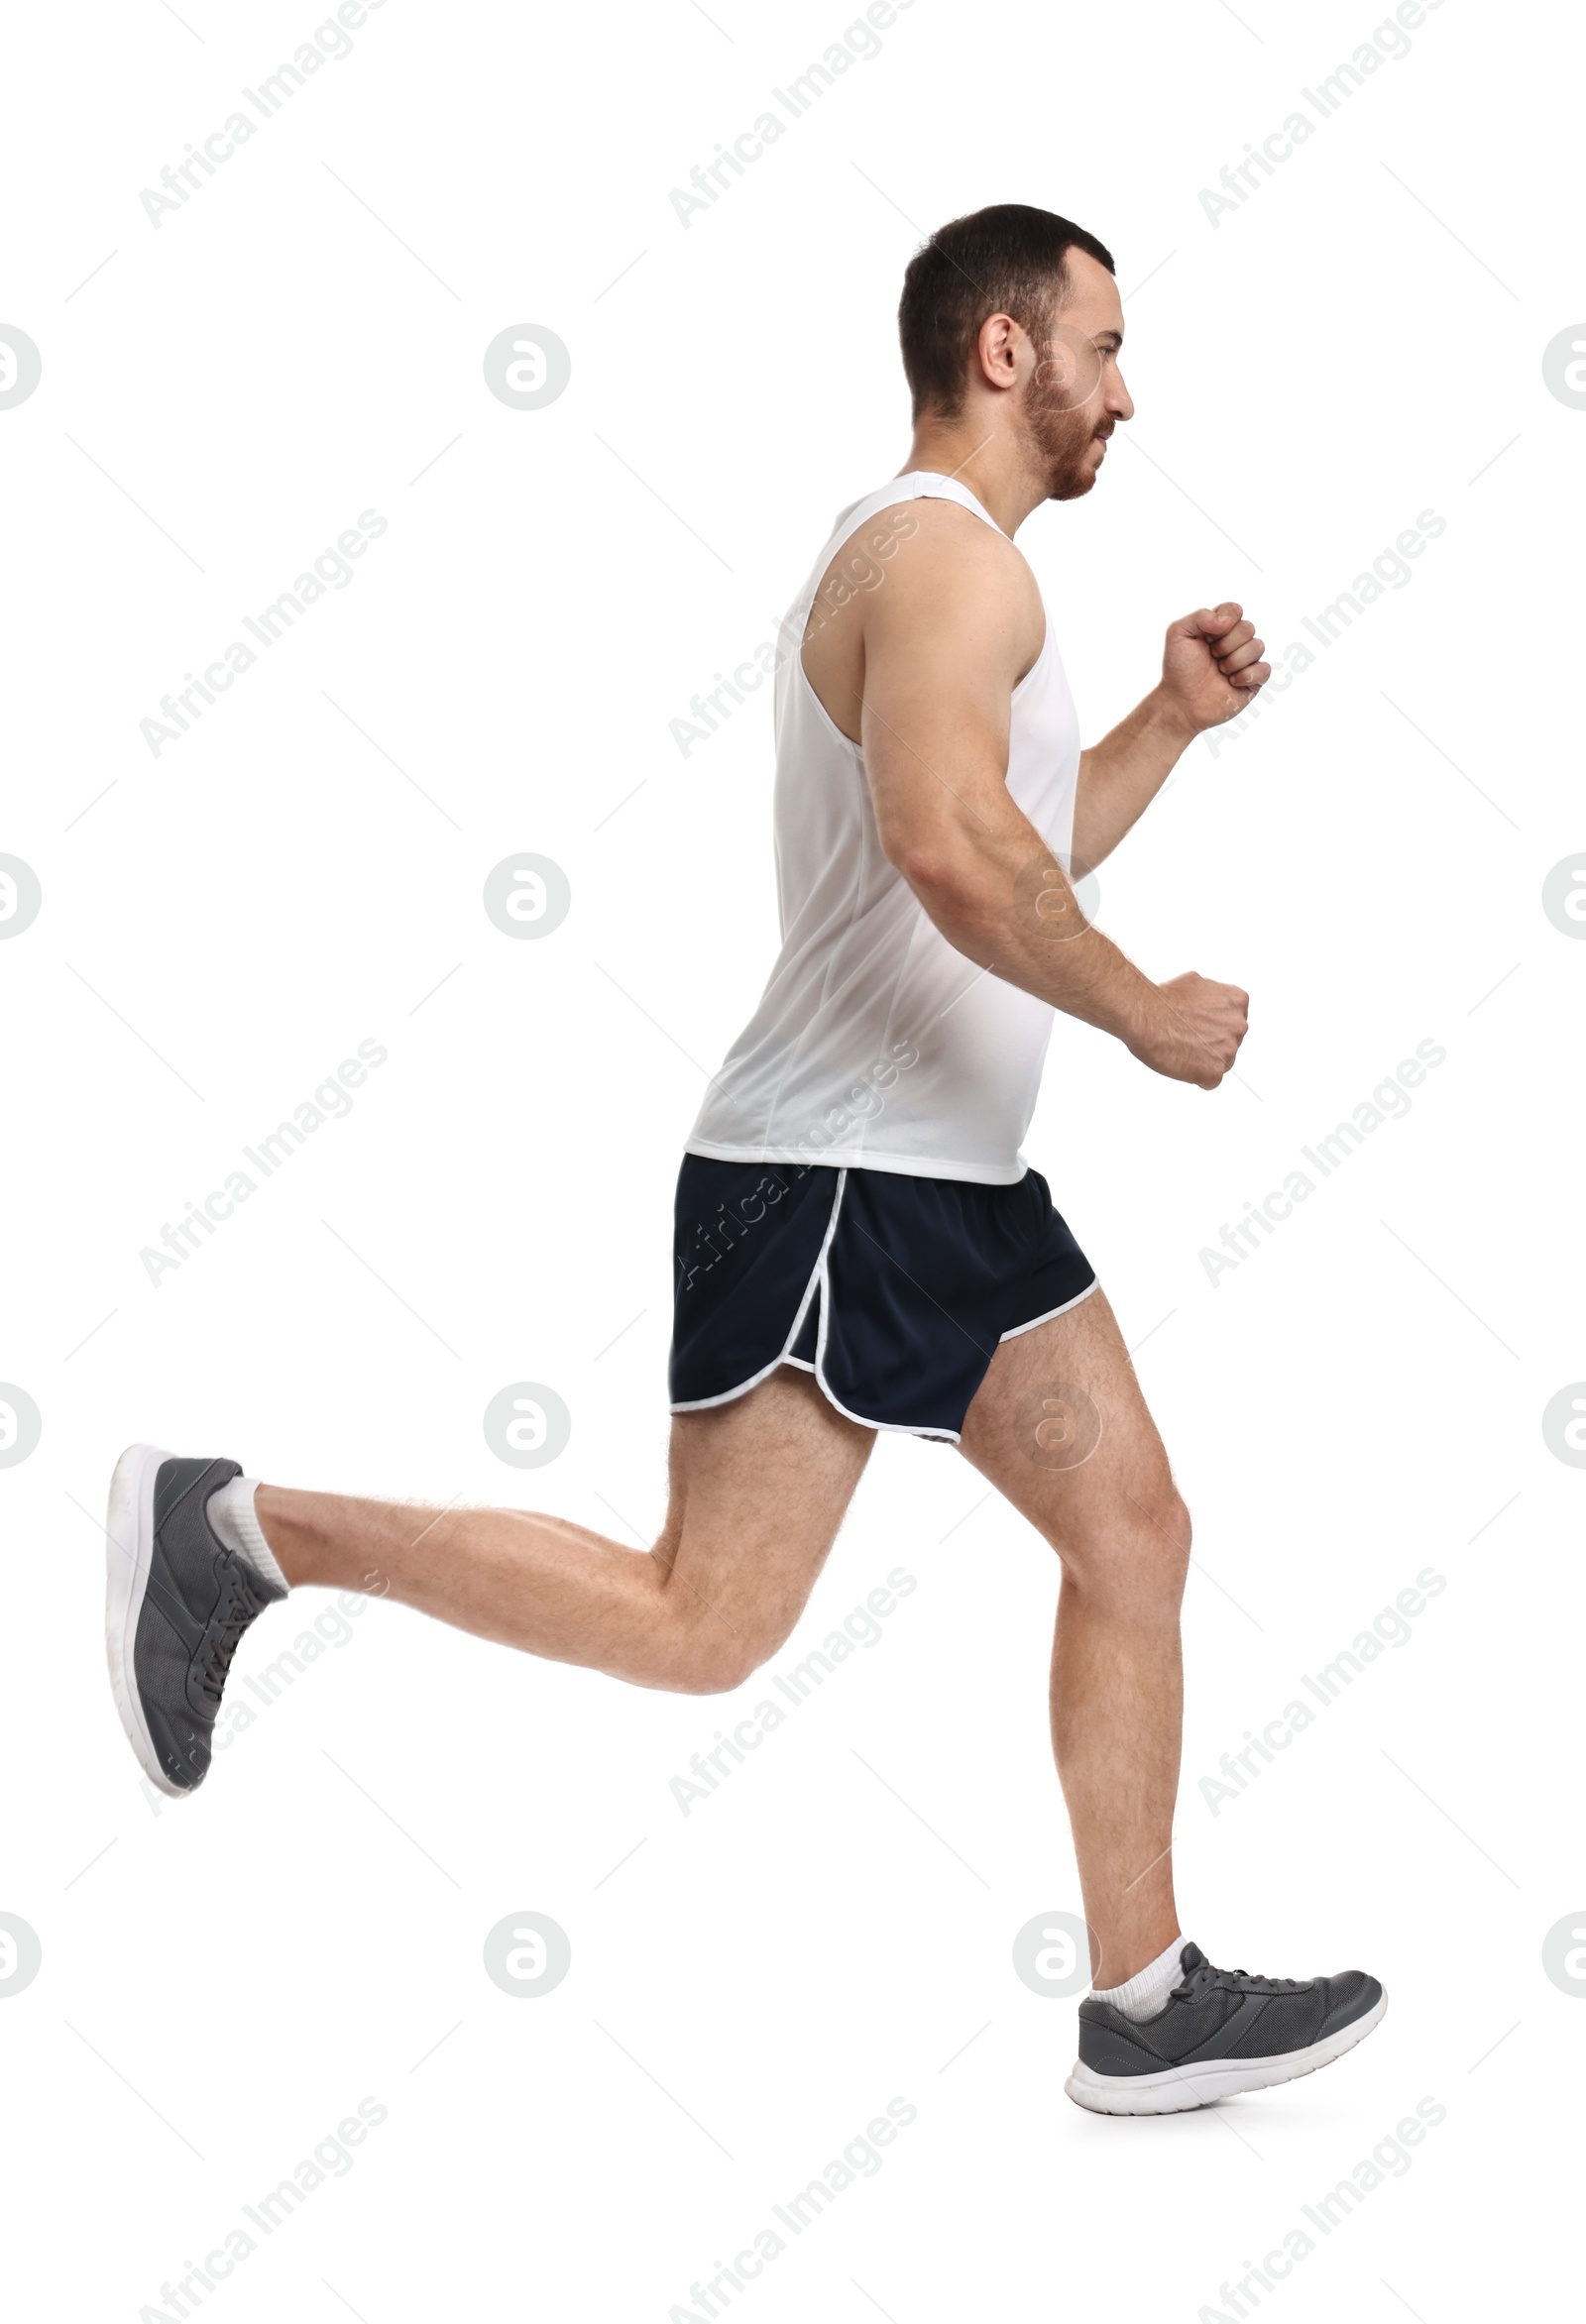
(1059, 1427)
(759, 1489)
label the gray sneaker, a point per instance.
(1219, 2031)
(176, 1603)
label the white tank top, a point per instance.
(877, 1045)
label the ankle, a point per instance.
(232, 1517)
(288, 1527)
(1146, 1989)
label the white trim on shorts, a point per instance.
(1019, 1329)
(881, 1427)
(817, 1279)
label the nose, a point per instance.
(1120, 403)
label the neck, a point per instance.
(981, 453)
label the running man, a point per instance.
(860, 1244)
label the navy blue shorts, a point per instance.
(894, 1292)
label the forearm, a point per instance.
(1000, 898)
(1121, 775)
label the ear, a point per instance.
(997, 351)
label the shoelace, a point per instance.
(225, 1630)
(1205, 1975)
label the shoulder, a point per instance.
(944, 529)
(927, 543)
(950, 574)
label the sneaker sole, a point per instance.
(129, 1553)
(1179, 2089)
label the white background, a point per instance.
(223, 1980)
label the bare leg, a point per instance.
(1122, 1534)
(759, 1489)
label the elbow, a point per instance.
(935, 873)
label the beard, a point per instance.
(1059, 433)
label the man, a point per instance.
(859, 1243)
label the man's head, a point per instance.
(1011, 316)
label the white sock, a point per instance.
(234, 1521)
(1146, 1991)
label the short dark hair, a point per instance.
(1007, 259)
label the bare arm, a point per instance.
(1211, 669)
(945, 641)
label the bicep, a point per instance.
(941, 660)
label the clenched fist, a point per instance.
(1195, 1034)
(1211, 666)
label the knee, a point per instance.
(1173, 1533)
(1142, 1548)
(709, 1659)
(1165, 1514)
